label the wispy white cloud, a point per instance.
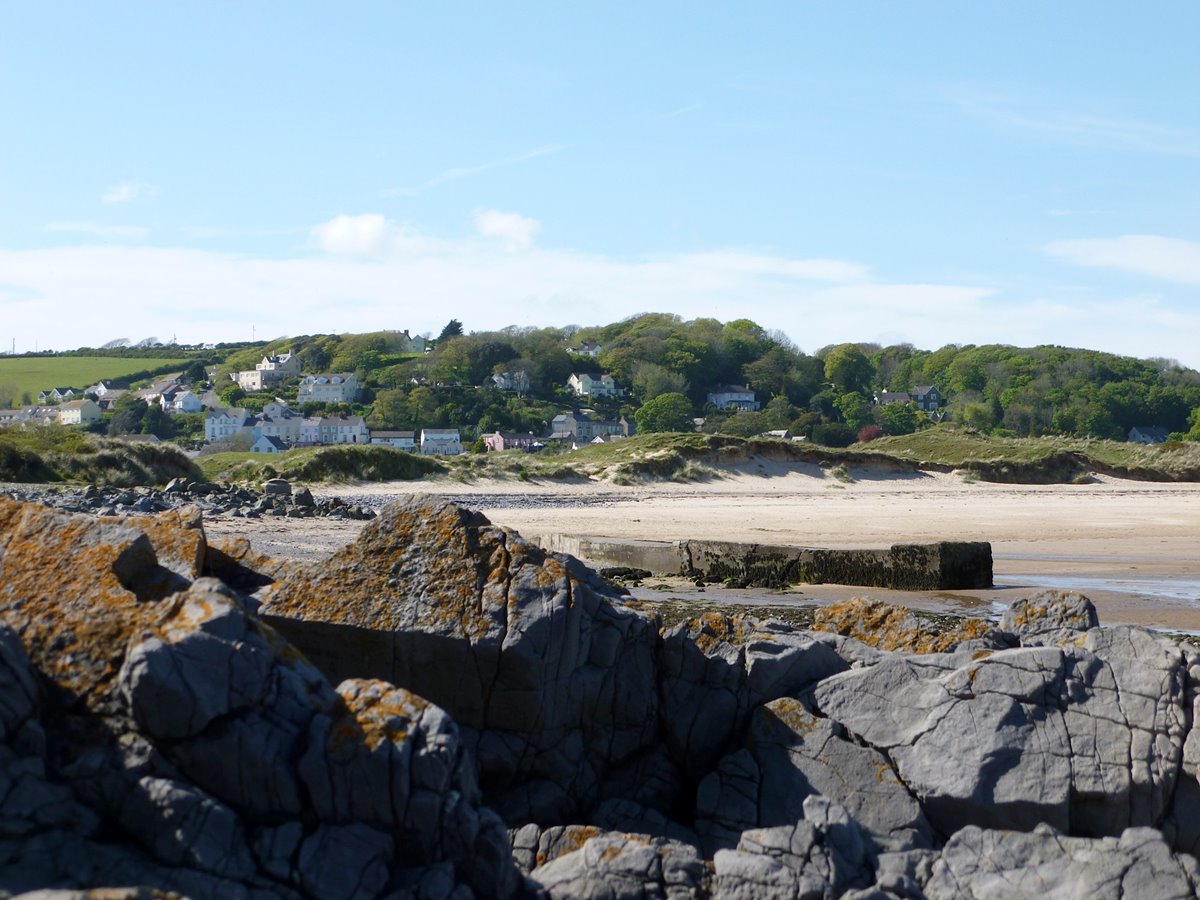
(1170, 259)
(460, 172)
(513, 230)
(367, 272)
(367, 235)
(127, 192)
(100, 230)
(1088, 129)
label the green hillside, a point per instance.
(23, 376)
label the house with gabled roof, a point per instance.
(79, 412)
(927, 397)
(397, 440)
(735, 397)
(593, 384)
(222, 424)
(440, 442)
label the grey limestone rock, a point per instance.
(1089, 735)
(1049, 615)
(821, 856)
(618, 866)
(550, 674)
(791, 756)
(998, 865)
(155, 733)
(716, 669)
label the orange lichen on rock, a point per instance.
(712, 628)
(80, 589)
(422, 564)
(889, 627)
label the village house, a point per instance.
(440, 442)
(265, 444)
(286, 428)
(168, 386)
(183, 401)
(593, 385)
(510, 440)
(56, 395)
(1148, 434)
(580, 427)
(733, 397)
(271, 370)
(342, 430)
(109, 401)
(222, 424)
(407, 343)
(100, 389)
(79, 412)
(341, 387)
(397, 440)
(885, 398)
(586, 348)
(927, 397)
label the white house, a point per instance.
(400, 440)
(586, 348)
(340, 387)
(886, 398)
(593, 385)
(181, 402)
(222, 424)
(79, 412)
(733, 396)
(580, 427)
(271, 370)
(286, 428)
(440, 442)
(343, 430)
(266, 444)
(57, 394)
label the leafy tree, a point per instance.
(128, 413)
(899, 418)
(230, 395)
(666, 412)
(650, 380)
(854, 409)
(848, 369)
(833, 434)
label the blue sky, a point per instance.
(932, 172)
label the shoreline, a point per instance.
(1132, 547)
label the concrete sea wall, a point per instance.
(944, 565)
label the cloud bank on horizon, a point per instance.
(839, 174)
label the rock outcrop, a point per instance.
(142, 699)
(506, 723)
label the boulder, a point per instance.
(179, 743)
(889, 627)
(820, 856)
(1089, 735)
(625, 865)
(999, 865)
(277, 487)
(548, 670)
(1048, 615)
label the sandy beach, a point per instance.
(1133, 547)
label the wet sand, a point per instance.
(1133, 547)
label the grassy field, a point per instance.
(31, 374)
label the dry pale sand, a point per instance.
(1133, 547)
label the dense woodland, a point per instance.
(667, 366)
